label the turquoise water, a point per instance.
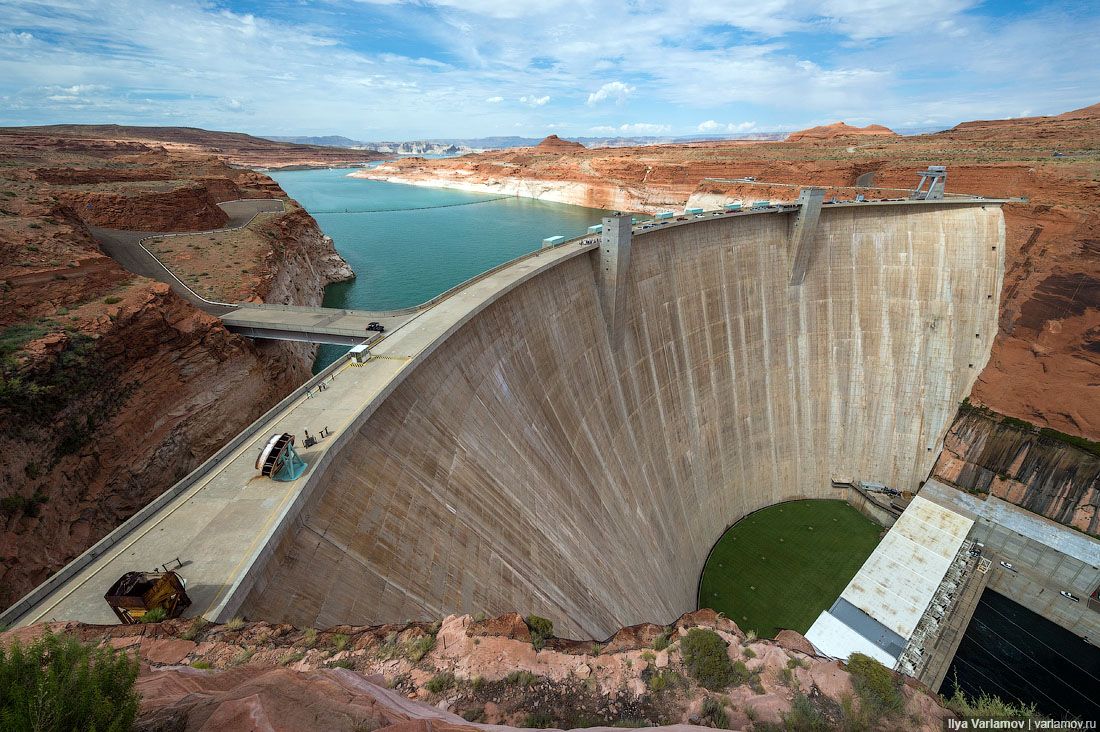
(407, 244)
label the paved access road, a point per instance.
(126, 249)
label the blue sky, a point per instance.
(408, 69)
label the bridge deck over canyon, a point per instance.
(569, 433)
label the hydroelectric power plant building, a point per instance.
(569, 434)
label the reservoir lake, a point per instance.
(409, 243)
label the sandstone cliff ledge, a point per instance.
(463, 673)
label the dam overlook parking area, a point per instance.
(485, 431)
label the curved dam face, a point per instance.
(532, 464)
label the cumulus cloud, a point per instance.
(299, 71)
(711, 126)
(644, 128)
(633, 128)
(616, 91)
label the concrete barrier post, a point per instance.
(802, 235)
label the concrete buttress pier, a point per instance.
(804, 230)
(613, 269)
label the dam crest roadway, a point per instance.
(861, 329)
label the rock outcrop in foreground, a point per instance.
(464, 673)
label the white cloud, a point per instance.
(710, 126)
(633, 128)
(644, 128)
(303, 71)
(614, 90)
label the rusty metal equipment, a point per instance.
(137, 593)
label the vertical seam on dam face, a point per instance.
(530, 464)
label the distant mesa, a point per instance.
(1090, 112)
(553, 142)
(837, 130)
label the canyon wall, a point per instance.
(1040, 473)
(112, 387)
(527, 464)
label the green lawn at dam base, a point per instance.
(779, 567)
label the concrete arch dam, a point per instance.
(561, 454)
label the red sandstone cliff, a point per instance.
(462, 674)
(111, 386)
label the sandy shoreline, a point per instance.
(575, 193)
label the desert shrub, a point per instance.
(343, 663)
(418, 648)
(662, 641)
(197, 626)
(236, 623)
(663, 679)
(203, 665)
(155, 615)
(112, 300)
(440, 682)
(243, 656)
(749, 653)
(339, 642)
(541, 630)
(714, 713)
(988, 705)
(805, 716)
(706, 659)
(59, 683)
(291, 658)
(879, 692)
(521, 678)
(474, 714)
(309, 637)
(538, 720)
(14, 504)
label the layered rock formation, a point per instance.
(554, 143)
(839, 130)
(231, 147)
(465, 674)
(111, 386)
(1042, 473)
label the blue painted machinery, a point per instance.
(279, 461)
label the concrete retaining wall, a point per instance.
(525, 465)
